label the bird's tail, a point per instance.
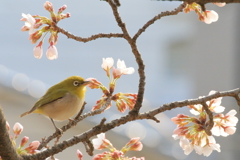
(24, 114)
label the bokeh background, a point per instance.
(184, 58)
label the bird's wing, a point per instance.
(49, 97)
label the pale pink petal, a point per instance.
(17, 128)
(198, 149)
(38, 52)
(97, 142)
(231, 113)
(34, 145)
(218, 109)
(121, 64)
(188, 149)
(231, 121)
(215, 147)
(216, 131)
(213, 15)
(211, 139)
(52, 52)
(220, 4)
(107, 63)
(230, 130)
(129, 70)
(207, 150)
(194, 112)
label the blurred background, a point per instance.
(184, 59)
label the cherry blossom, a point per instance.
(214, 105)
(101, 142)
(191, 130)
(114, 154)
(225, 125)
(29, 23)
(121, 69)
(17, 128)
(52, 52)
(107, 64)
(38, 51)
(210, 16)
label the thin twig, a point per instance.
(81, 111)
(159, 16)
(141, 66)
(93, 37)
(70, 124)
(210, 116)
(89, 147)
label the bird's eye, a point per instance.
(76, 83)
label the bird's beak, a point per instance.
(86, 82)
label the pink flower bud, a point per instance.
(79, 154)
(133, 144)
(136, 147)
(24, 141)
(32, 146)
(7, 126)
(121, 105)
(211, 16)
(93, 83)
(38, 51)
(52, 52)
(63, 16)
(116, 155)
(35, 36)
(48, 6)
(101, 156)
(17, 128)
(133, 140)
(61, 9)
(24, 28)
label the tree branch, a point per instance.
(73, 123)
(125, 119)
(7, 150)
(205, 1)
(137, 55)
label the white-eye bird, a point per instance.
(61, 101)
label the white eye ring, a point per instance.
(76, 83)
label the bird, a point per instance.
(61, 101)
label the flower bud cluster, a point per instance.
(191, 130)
(101, 142)
(204, 15)
(34, 22)
(123, 100)
(17, 130)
